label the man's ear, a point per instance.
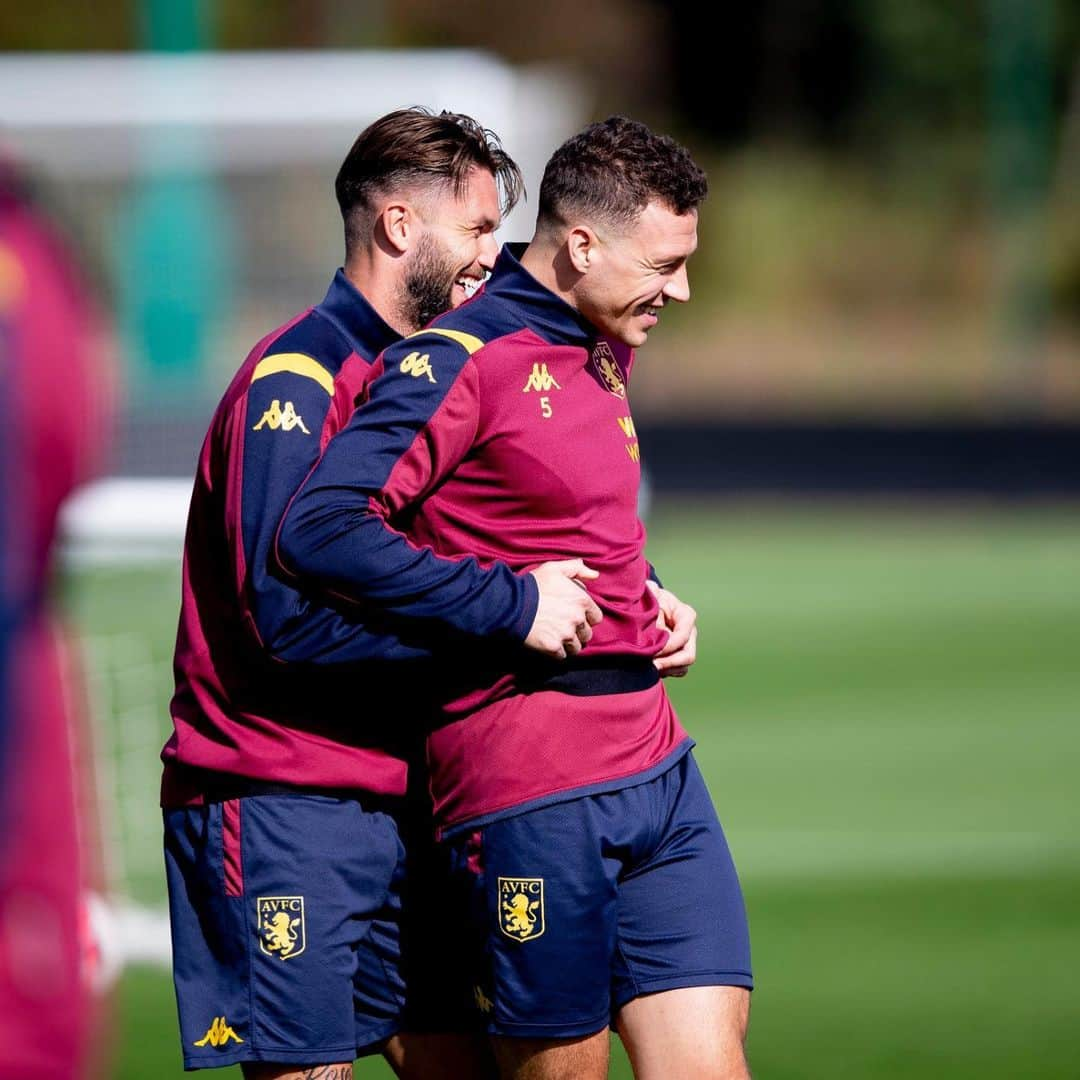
(398, 223)
(581, 244)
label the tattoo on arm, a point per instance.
(328, 1072)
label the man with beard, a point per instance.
(292, 717)
(580, 833)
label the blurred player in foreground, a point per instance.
(57, 398)
(284, 777)
(581, 833)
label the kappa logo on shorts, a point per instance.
(281, 926)
(521, 907)
(603, 360)
(218, 1034)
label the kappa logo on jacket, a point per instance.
(540, 379)
(417, 364)
(276, 417)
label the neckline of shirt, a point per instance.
(349, 310)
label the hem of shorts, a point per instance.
(331, 1055)
(373, 1040)
(549, 1031)
(682, 982)
(597, 787)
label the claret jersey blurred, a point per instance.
(56, 360)
(501, 435)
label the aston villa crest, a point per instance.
(281, 926)
(521, 907)
(603, 362)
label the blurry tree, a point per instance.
(868, 72)
(865, 156)
(620, 47)
(780, 67)
(59, 24)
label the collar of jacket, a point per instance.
(539, 308)
(346, 307)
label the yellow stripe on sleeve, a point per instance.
(295, 364)
(469, 343)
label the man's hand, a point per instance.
(680, 620)
(566, 613)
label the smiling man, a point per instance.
(284, 775)
(579, 831)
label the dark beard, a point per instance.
(428, 285)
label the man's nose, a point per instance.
(489, 250)
(678, 287)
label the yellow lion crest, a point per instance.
(521, 907)
(519, 916)
(280, 934)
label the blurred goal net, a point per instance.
(121, 556)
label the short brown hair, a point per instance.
(613, 169)
(415, 146)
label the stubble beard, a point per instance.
(428, 287)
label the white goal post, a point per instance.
(90, 114)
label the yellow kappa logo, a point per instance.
(417, 364)
(521, 907)
(219, 1034)
(540, 379)
(483, 1002)
(603, 361)
(276, 417)
(281, 926)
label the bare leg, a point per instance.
(584, 1058)
(440, 1056)
(695, 1033)
(259, 1071)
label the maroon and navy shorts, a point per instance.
(285, 928)
(573, 909)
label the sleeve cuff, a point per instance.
(530, 602)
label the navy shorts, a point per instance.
(577, 908)
(285, 912)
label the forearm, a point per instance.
(335, 541)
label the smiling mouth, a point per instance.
(469, 285)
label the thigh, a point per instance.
(697, 1033)
(440, 1055)
(681, 917)
(539, 909)
(341, 1071)
(584, 1058)
(282, 911)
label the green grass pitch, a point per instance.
(886, 709)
